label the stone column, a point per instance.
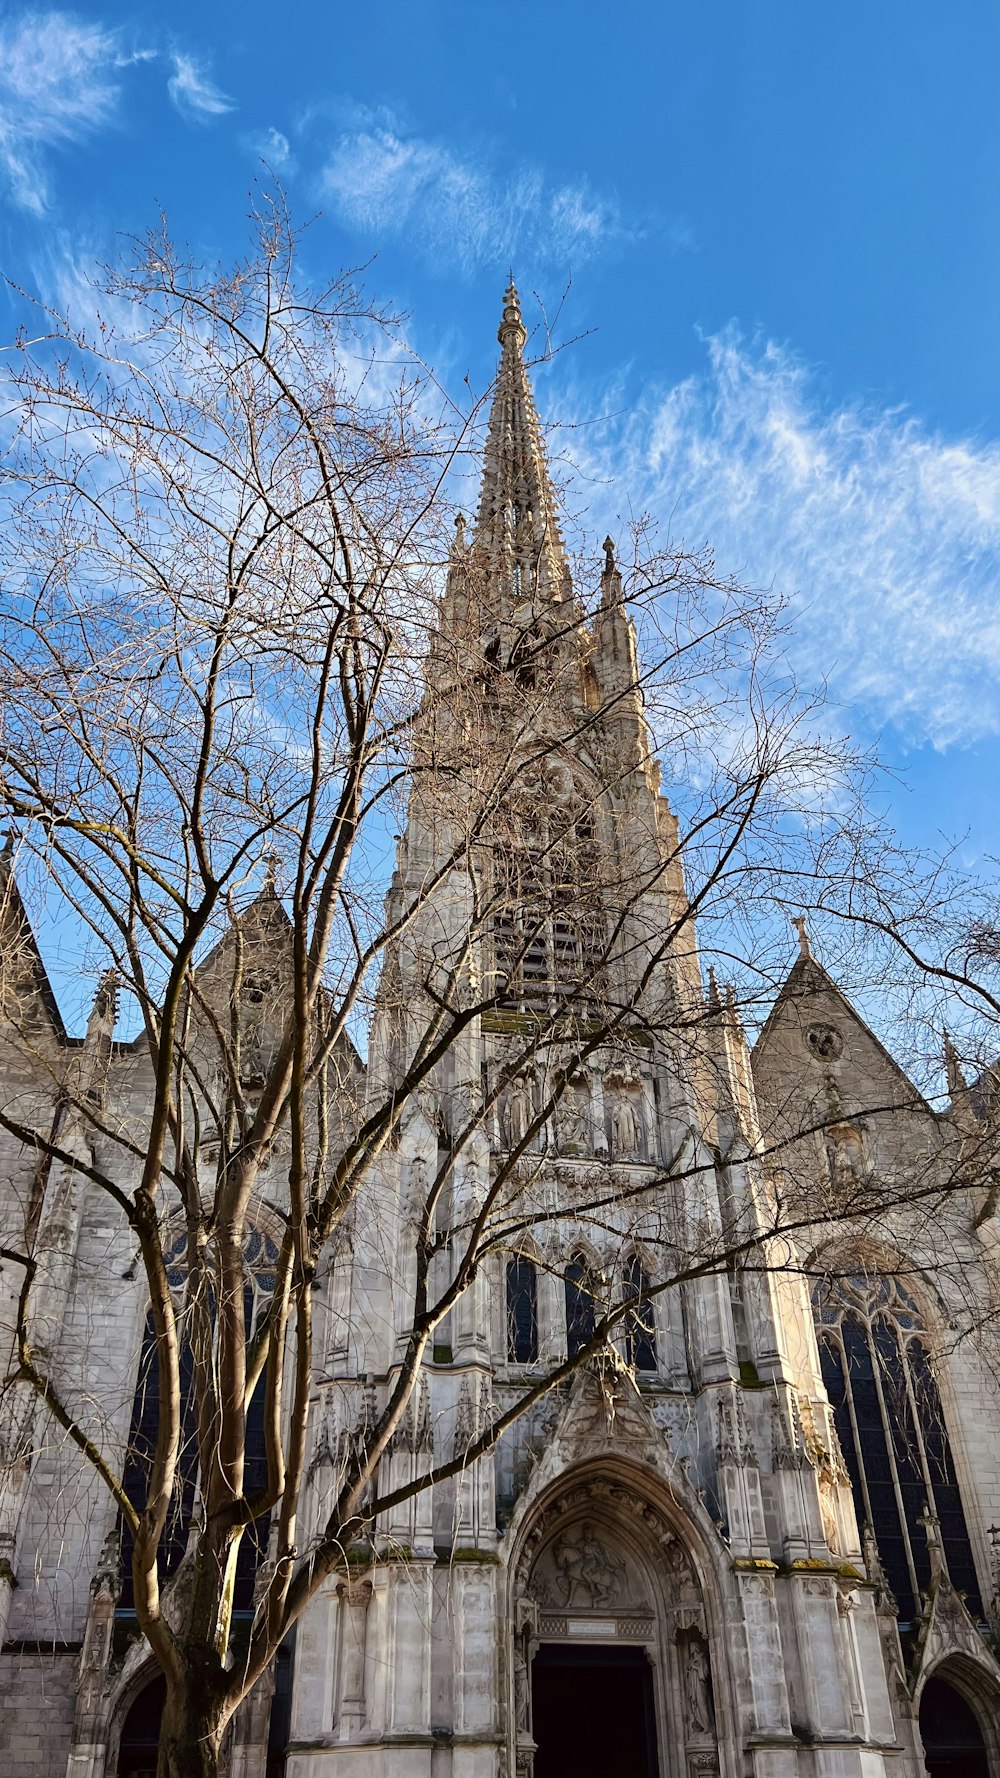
(353, 1596)
(86, 1755)
(314, 1688)
(410, 1609)
(473, 1597)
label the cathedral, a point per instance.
(760, 1535)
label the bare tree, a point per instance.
(239, 657)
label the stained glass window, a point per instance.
(581, 1310)
(522, 1311)
(640, 1322)
(875, 1354)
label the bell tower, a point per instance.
(577, 1137)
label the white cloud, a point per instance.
(462, 210)
(196, 97)
(884, 535)
(57, 86)
(272, 146)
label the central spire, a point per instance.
(516, 524)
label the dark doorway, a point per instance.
(953, 1741)
(141, 1732)
(592, 1712)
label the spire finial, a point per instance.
(714, 999)
(609, 555)
(106, 998)
(958, 1086)
(512, 327)
(799, 922)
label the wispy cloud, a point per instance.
(884, 535)
(272, 146)
(195, 95)
(60, 83)
(461, 209)
(57, 86)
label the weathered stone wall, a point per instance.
(36, 1713)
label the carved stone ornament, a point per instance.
(824, 1042)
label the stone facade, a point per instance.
(696, 1536)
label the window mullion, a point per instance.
(891, 1454)
(858, 1447)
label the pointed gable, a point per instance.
(27, 1002)
(818, 1067)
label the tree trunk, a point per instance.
(190, 1739)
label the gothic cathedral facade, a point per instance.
(764, 1546)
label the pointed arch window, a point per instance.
(581, 1307)
(260, 1259)
(875, 1354)
(522, 1310)
(640, 1321)
(549, 924)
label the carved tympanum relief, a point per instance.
(579, 1571)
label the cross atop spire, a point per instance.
(516, 524)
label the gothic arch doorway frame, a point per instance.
(977, 1687)
(137, 1677)
(606, 1557)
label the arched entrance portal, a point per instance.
(953, 1741)
(612, 1658)
(593, 1712)
(141, 1732)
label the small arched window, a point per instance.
(640, 1321)
(581, 1309)
(522, 1311)
(875, 1355)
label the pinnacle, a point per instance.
(516, 526)
(512, 326)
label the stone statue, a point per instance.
(518, 1112)
(828, 1515)
(625, 1137)
(844, 1157)
(520, 1690)
(573, 1122)
(696, 1692)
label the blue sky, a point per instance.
(778, 227)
